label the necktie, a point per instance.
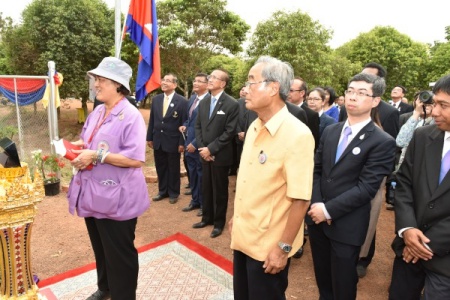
(211, 107)
(165, 105)
(343, 144)
(193, 107)
(445, 166)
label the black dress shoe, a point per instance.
(361, 270)
(159, 197)
(199, 225)
(299, 253)
(190, 207)
(200, 213)
(188, 192)
(173, 200)
(100, 295)
(216, 232)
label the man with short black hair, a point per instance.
(422, 209)
(350, 163)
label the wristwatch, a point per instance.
(285, 247)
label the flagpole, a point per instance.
(117, 29)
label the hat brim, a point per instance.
(109, 75)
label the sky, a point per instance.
(424, 22)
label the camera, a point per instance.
(426, 97)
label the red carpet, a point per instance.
(176, 267)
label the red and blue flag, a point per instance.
(142, 25)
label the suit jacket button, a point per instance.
(431, 206)
(162, 130)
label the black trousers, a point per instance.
(407, 280)
(115, 256)
(334, 265)
(168, 170)
(251, 283)
(215, 194)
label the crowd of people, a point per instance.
(308, 162)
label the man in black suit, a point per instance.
(215, 128)
(168, 112)
(350, 163)
(192, 156)
(397, 94)
(422, 209)
(296, 96)
(389, 119)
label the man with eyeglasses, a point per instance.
(296, 96)
(200, 92)
(272, 196)
(389, 119)
(351, 161)
(168, 112)
(214, 130)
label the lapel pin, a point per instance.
(171, 104)
(356, 150)
(361, 137)
(262, 157)
(175, 114)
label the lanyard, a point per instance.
(100, 122)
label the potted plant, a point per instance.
(49, 167)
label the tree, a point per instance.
(237, 68)
(192, 31)
(76, 34)
(295, 38)
(404, 59)
(439, 64)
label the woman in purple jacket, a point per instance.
(109, 188)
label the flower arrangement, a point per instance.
(49, 166)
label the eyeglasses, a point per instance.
(212, 77)
(359, 94)
(314, 99)
(198, 81)
(248, 83)
(166, 80)
(294, 90)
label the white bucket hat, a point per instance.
(115, 69)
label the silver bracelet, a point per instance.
(104, 157)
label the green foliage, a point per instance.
(439, 64)
(192, 31)
(295, 38)
(8, 131)
(404, 59)
(76, 34)
(236, 67)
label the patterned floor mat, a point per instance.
(174, 268)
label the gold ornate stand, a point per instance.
(18, 196)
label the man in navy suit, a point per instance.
(168, 112)
(422, 209)
(350, 164)
(214, 129)
(199, 88)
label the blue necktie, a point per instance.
(343, 144)
(211, 107)
(445, 166)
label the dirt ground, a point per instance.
(60, 242)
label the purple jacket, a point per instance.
(108, 191)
